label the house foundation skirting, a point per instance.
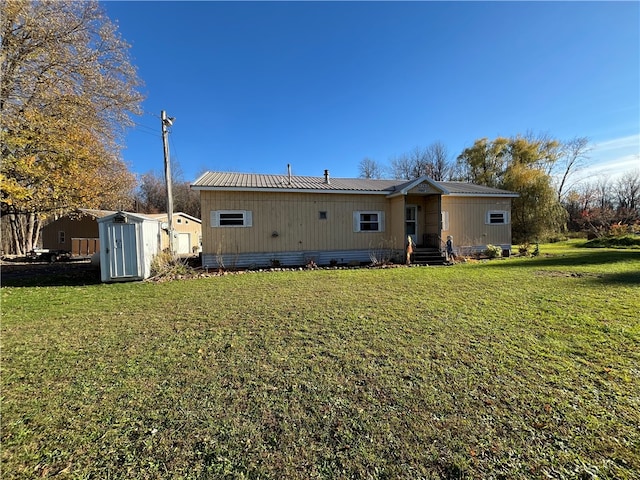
(298, 259)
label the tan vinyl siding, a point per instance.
(467, 220)
(396, 223)
(288, 222)
(185, 225)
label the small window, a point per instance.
(61, 236)
(497, 217)
(368, 221)
(179, 220)
(231, 218)
(322, 215)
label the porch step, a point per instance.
(427, 256)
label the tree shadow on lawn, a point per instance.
(626, 278)
(581, 259)
(63, 274)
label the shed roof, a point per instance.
(227, 181)
(94, 212)
(138, 217)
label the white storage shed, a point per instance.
(128, 243)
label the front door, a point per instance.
(411, 222)
(123, 255)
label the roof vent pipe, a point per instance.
(289, 172)
(326, 177)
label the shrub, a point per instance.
(555, 238)
(618, 230)
(524, 249)
(493, 251)
(625, 241)
(167, 265)
(382, 253)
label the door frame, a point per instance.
(414, 235)
(123, 250)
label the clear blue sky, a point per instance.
(255, 86)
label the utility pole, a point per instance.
(167, 122)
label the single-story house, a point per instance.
(253, 220)
(77, 232)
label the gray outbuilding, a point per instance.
(128, 244)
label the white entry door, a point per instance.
(184, 243)
(122, 250)
(411, 222)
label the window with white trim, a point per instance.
(497, 217)
(231, 218)
(372, 221)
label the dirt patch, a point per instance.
(551, 273)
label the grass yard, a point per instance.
(517, 368)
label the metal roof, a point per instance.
(229, 181)
(94, 212)
(252, 181)
(463, 188)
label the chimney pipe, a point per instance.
(326, 177)
(289, 172)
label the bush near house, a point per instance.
(493, 251)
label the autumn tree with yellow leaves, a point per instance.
(67, 90)
(522, 164)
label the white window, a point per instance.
(497, 217)
(231, 218)
(444, 219)
(61, 236)
(368, 221)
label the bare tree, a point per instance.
(402, 168)
(432, 161)
(152, 195)
(573, 156)
(603, 198)
(438, 162)
(627, 191)
(369, 168)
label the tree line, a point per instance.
(553, 199)
(68, 91)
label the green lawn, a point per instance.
(516, 368)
